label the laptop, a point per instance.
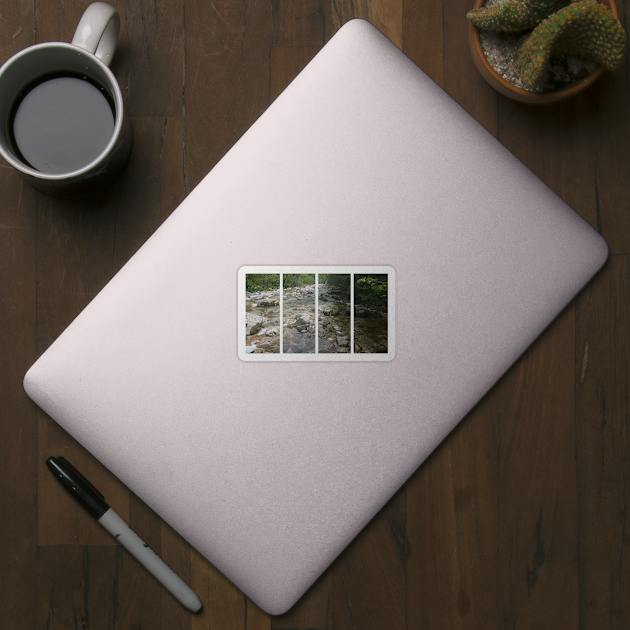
(316, 316)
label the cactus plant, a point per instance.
(513, 16)
(583, 29)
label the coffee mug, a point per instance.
(62, 116)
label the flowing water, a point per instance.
(298, 317)
(370, 331)
(334, 321)
(263, 322)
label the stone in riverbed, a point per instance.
(255, 328)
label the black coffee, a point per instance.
(62, 123)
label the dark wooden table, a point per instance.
(518, 520)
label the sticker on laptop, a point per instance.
(316, 313)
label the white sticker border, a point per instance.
(319, 269)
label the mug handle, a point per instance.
(98, 30)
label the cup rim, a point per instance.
(118, 122)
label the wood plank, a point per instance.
(226, 78)
(17, 28)
(557, 148)
(312, 611)
(386, 15)
(461, 78)
(608, 127)
(18, 416)
(300, 23)
(152, 185)
(285, 64)
(224, 606)
(423, 36)
(577, 148)
(76, 587)
(171, 159)
(452, 527)
(255, 618)
(18, 420)
(369, 588)
(602, 382)
(537, 537)
(154, 58)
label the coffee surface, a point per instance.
(62, 124)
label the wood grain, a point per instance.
(537, 537)
(452, 518)
(313, 609)
(300, 23)
(422, 36)
(18, 324)
(518, 520)
(226, 78)
(154, 57)
(18, 416)
(224, 606)
(76, 587)
(369, 577)
(461, 79)
(386, 15)
(285, 64)
(602, 381)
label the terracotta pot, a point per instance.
(508, 89)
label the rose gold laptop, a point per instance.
(317, 315)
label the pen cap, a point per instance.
(78, 486)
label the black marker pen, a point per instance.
(94, 502)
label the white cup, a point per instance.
(87, 58)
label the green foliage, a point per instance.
(583, 29)
(370, 290)
(262, 281)
(339, 282)
(297, 280)
(513, 16)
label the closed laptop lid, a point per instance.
(269, 463)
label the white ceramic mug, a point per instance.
(87, 58)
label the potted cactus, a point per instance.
(557, 49)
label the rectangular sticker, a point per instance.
(316, 313)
